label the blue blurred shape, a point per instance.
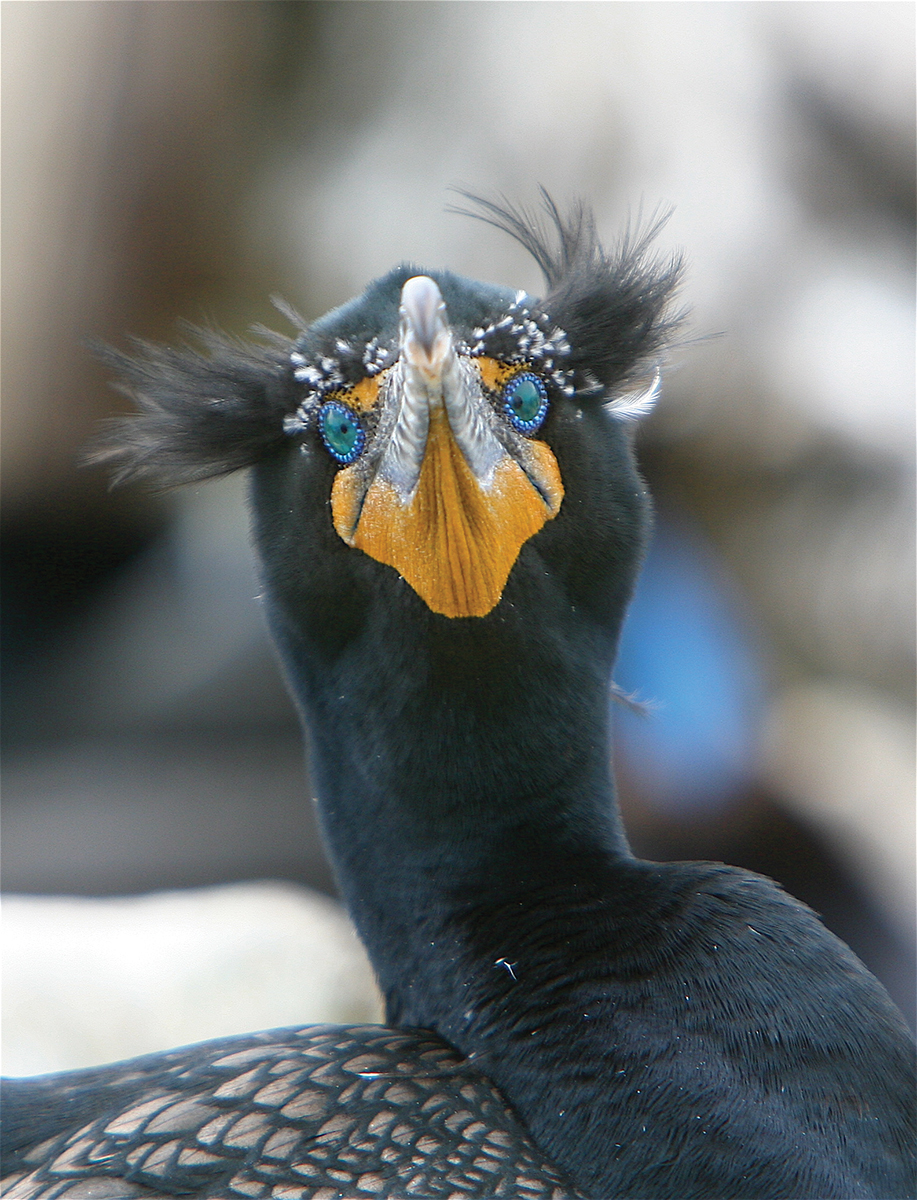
(689, 653)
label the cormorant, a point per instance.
(449, 523)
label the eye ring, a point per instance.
(525, 401)
(341, 432)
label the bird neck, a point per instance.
(456, 774)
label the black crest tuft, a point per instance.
(615, 307)
(203, 412)
(208, 411)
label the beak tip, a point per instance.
(423, 312)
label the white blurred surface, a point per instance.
(88, 981)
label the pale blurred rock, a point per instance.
(839, 348)
(844, 757)
(88, 981)
(830, 562)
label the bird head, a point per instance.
(453, 437)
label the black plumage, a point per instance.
(658, 1030)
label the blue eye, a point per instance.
(525, 402)
(341, 432)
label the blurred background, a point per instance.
(188, 160)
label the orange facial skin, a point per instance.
(456, 538)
